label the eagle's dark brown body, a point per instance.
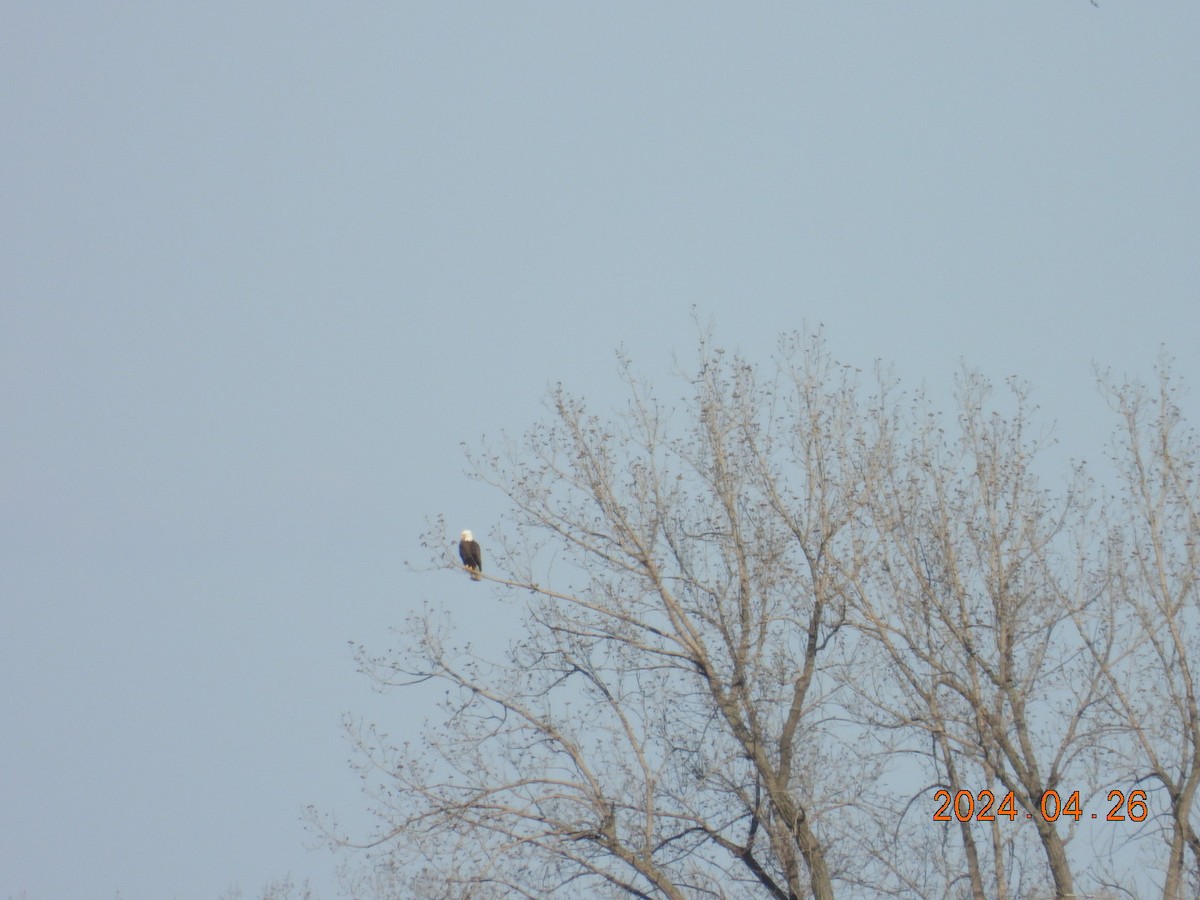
(470, 554)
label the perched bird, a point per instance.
(470, 554)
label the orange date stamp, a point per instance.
(964, 806)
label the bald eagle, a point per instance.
(471, 555)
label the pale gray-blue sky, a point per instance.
(266, 265)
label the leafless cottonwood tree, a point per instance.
(1154, 676)
(985, 578)
(670, 725)
(761, 627)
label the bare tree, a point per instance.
(1157, 556)
(283, 889)
(763, 628)
(985, 577)
(671, 724)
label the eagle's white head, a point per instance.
(466, 536)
